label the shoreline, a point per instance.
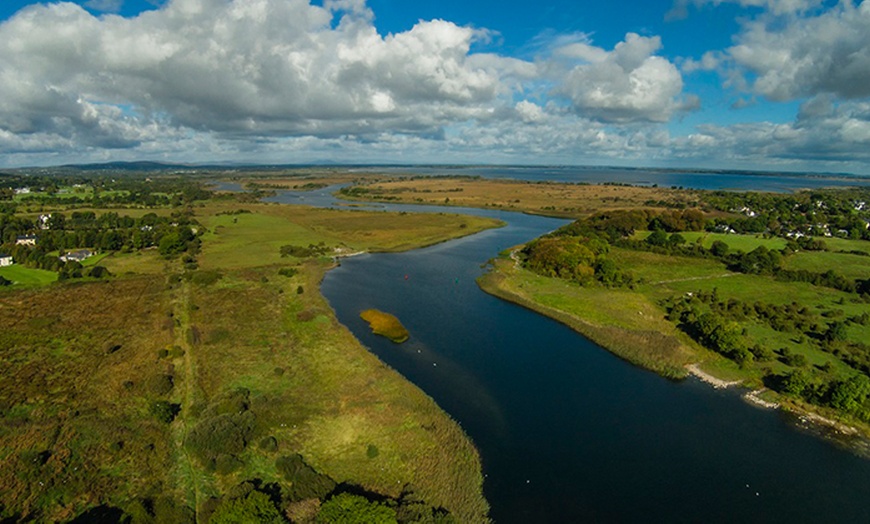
(707, 378)
(803, 417)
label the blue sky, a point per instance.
(780, 85)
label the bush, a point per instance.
(306, 482)
(221, 435)
(165, 411)
(269, 444)
(160, 384)
(345, 508)
(288, 272)
(97, 272)
(253, 508)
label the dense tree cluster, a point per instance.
(576, 255)
(172, 235)
(102, 190)
(838, 213)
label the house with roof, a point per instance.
(5, 260)
(77, 256)
(25, 240)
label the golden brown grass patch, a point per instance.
(386, 325)
(551, 198)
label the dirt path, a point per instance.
(711, 277)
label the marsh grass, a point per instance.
(386, 325)
(87, 362)
(332, 400)
(76, 423)
(557, 199)
(255, 239)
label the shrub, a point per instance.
(306, 482)
(269, 444)
(288, 272)
(345, 508)
(165, 411)
(160, 384)
(221, 435)
(253, 508)
(97, 272)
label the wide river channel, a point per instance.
(568, 432)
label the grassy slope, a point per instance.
(626, 323)
(19, 274)
(313, 386)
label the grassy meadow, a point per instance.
(162, 389)
(24, 276)
(628, 324)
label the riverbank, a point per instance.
(620, 322)
(625, 326)
(707, 378)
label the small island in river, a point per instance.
(386, 325)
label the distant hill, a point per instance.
(127, 166)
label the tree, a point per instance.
(850, 394)
(836, 332)
(345, 508)
(719, 248)
(171, 245)
(657, 238)
(253, 508)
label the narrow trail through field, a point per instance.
(689, 279)
(189, 479)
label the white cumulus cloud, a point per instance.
(629, 83)
(825, 53)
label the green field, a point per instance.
(255, 239)
(627, 323)
(849, 265)
(745, 243)
(20, 275)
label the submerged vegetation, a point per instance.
(386, 325)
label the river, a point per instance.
(567, 432)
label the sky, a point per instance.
(775, 85)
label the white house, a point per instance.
(5, 260)
(77, 256)
(26, 240)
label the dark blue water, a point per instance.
(663, 178)
(566, 431)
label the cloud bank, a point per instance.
(288, 81)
